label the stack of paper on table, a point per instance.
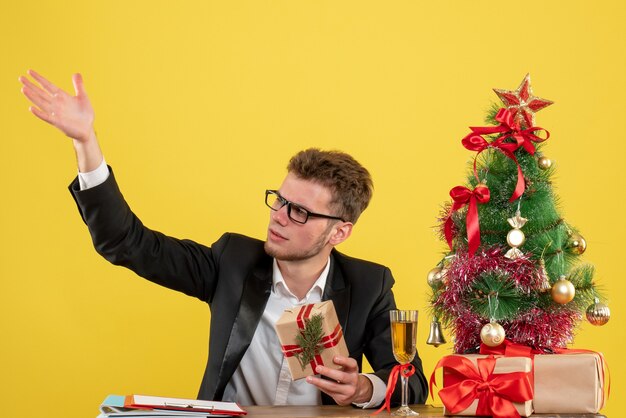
(155, 406)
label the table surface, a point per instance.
(425, 411)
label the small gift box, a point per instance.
(477, 384)
(569, 383)
(310, 335)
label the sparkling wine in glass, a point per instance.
(403, 337)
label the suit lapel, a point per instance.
(338, 290)
(255, 294)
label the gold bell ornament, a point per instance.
(598, 313)
(435, 336)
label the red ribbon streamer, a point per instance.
(495, 392)
(461, 196)
(328, 341)
(510, 349)
(405, 370)
(474, 142)
(523, 138)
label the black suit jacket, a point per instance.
(234, 276)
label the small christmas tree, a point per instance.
(513, 268)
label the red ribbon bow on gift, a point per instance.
(328, 341)
(510, 349)
(523, 138)
(405, 370)
(495, 392)
(461, 196)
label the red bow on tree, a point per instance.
(525, 138)
(462, 196)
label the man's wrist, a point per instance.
(94, 178)
(376, 392)
(364, 390)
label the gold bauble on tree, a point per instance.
(563, 291)
(544, 162)
(576, 244)
(492, 334)
(434, 277)
(598, 313)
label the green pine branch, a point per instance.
(495, 296)
(309, 339)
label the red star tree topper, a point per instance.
(522, 103)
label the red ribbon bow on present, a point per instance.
(510, 349)
(405, 370)
(328, 341)
(461, 196)
(495, 392)
(510, 129)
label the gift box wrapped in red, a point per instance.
(310, 335)
(477, 384)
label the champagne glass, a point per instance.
(403, 336)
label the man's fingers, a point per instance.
(27, 84)
(79, 87)
(48, 86)
(41, 114)
(37, 98)
(330, 387)
(333, 374)
(348, 363)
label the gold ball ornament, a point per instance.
(544, 162)
(576, 244)
(492, 334)
(563, 291)
(515, 238)
(434, 277)
(598, 314)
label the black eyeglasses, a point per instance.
(295, 212)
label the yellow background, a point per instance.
(199, 106)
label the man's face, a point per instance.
(290, 241)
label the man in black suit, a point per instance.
(246, 282)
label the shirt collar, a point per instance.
(279, 285)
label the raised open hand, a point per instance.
(72, 115)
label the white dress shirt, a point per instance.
(263, 377)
